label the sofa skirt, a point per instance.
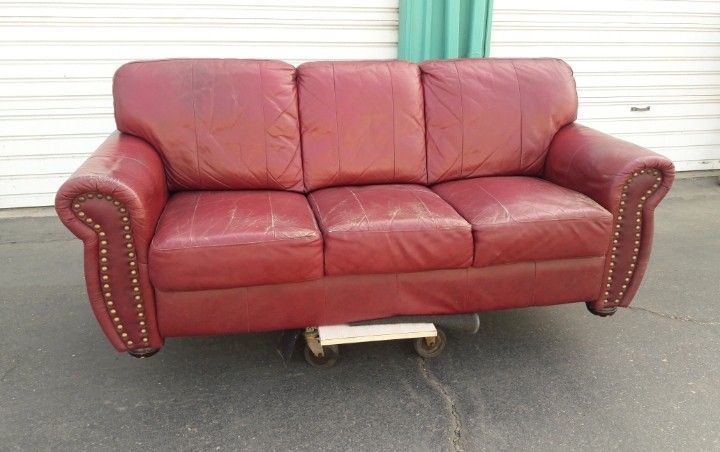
(349, 298)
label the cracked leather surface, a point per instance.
(518, 219)
(211, 240)
(218, 124)
(389, 228)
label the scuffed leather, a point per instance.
(362, 123)
(519, 219)
(389, 228)
(348, 298)
(494, 117)
(600, 166)
(212, 240)
(218, 124)
(129, 170)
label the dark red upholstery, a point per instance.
(362, 123)
(627, 180)
(218, 124)
(519, 219)
(112, 203)
(347, 298)
(195, 219)
(389, 228)
(494, 117)
(214, 240)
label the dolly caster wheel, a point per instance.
(331, 353)
(605, 312)
(430, 347)
(143, 352)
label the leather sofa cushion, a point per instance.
(494, 117)
(389, 228)
(210, 240)
(362, 123)
(517, 219)
(218, 124)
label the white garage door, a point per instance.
(57, 60)
(661, 54)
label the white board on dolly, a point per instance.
(352, 334)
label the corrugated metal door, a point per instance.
(57, 62)
(661, 54)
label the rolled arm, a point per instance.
(626, 179)
(112, 203)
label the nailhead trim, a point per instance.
(613, 294)
(105, 282)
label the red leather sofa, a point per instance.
(246, 195)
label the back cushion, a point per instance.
(493, 117)
(218, 124)
(362, 123)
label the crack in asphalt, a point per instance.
(435, 383)
(674, 317)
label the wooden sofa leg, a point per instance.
(143, 352)
(605, 312)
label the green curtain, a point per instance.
(431, 29)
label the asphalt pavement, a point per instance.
(555, 378)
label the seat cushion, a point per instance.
(517, 219)
(390, 228)
(210, 240)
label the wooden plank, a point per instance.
(352, 334)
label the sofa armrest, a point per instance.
(627, 180)
(112, 203)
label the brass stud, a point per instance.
(630, 272)
(103, 251)
(133, 272)
(134, 281)
(141, 314)
(76, 206)
(113, 312)
(81, 199)
(136, 289)
(643, 198)
(105, 277)
(116, 319)
(106, 286)
(131, 254)
(624, 286)
(142, 323)
(130, 343)
(632, 265)
(132, 263)
(103, 242)
(108, 197)
(649, 192)
(128, 236)
(129, 245)
(126, 228)
(97, 226)
(109, 303)
(119, 327)
(101, 234)
(617, 301)
(124, 335)
(103, 259)
(659, 179)
(615, 241)
(137, 297)
(108, 295)
(117, 203)
(627, 279)
(139, 306)
(81, 214)
(617, 234)
(122, 210)
(145, 339)
(103, 269)
(622, 203)
(143, 331)
(124, 219)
